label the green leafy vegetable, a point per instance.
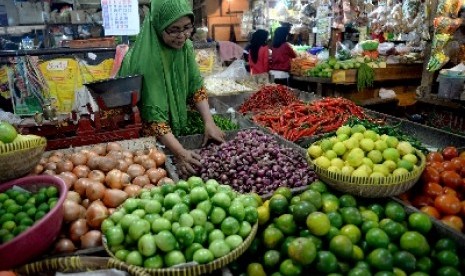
(195, 124)
(365, 76)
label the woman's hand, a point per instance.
(212, 131)
(186, 161)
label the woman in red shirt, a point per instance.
(258, 53)
(281, 55)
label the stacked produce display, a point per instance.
(275, 199)
(177, 223)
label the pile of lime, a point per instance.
(172, 224)
(319, 232)
(356, 151)
(20, 209)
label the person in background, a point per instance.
(165, 57)
(259, 53)
(281, 56)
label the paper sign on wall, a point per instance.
(120, 17)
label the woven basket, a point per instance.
(371, 187)
(19, 158)
(74, 264)
(194, 269)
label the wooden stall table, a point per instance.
(401, 78)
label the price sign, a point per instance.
(120, 17)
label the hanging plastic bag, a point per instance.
(342, 51)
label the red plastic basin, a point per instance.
(37, 239)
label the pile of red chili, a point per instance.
(269, 96)
(298, 119)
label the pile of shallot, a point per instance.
(255, 162)
(99, 179)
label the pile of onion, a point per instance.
(255, 162)
(99, 179)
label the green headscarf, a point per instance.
(170, 76)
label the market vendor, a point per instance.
(281, 56)
(165, 57)
(259, 53)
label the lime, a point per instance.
(330, 203)
(286, 224)
(302, 251)
(377, 238)
(139, 228)
(341, 246)
(161, 224)
(448, 271)
(424, 264)
(357, 253)
(272, 237)
(333, 232)
(318, 223)
(395, 211)
(301, 211)
(205, 206)
(255, 269)
(318, 186)
(7, 132)
(352, 232)
(134, 258)
(278, 205)
(114, 235)
(236, 210)
(414, 243)
(393, 229)
(351, 215)
(335, 218)
(271, 258)
(178, 209)
(198, 194)
(199, 216)
(405, 261)
(195, 181)
(186, 220)
(153, 207)
(312, 196)
(347, 201)
(200, 234)
(174, 257)
(129, 205)
(380, 259)
(420, 222)
(190, 250)
(263, 214)
(359, 271)
(285, 191)
(154, 262)
(290, 268)
(249, 200)
(326, 262)
(447, 258)
(171, 200)
(445, 244)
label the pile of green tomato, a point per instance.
(20, 209)
(173, 224)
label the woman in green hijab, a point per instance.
(164, 55)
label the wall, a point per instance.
(221, 14)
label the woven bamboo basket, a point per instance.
(75, 264)
(19, 158)
(371, 187)
(194, 269)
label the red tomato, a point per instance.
(451, 179)
(431, 211)
(449, 166)
(422, 200)
(462, 172)
(458, 162)
(454, 222)
(450, 152)
(432, 189)
(447, 204)
(449, 191)
(434, 156)
(437, 165)
(430, 174)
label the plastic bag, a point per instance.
(9, 117)
(235, 71)
(342, 51)
(386, 48)
(357, 50)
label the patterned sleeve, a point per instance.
(155, 129)
(200, 95)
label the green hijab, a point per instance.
(170, 76)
